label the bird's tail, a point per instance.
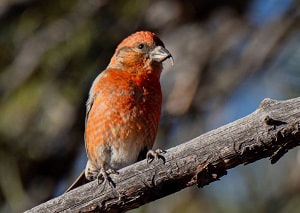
(78, 182)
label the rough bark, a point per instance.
(270, 131)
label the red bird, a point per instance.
(124, 107)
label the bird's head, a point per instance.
(140, 52)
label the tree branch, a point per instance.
(270, 131)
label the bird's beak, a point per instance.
(160, 54)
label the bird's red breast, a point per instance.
(124, 116)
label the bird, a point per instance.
(124, 107)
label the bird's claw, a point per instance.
(155, 154)
(104, 175)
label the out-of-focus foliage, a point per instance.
(229, 55)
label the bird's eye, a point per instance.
(141, 46)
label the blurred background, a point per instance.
(229, 55)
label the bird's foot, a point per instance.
(155, 154)
(104, 175)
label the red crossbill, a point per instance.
(124, 106)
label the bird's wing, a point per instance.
(91, 98)
(89, 105)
